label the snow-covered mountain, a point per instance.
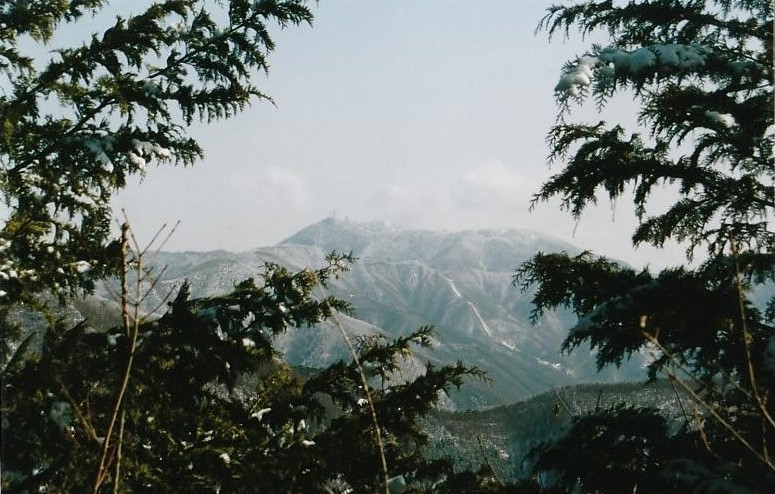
(459, 282)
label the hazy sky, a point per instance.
(425, 114)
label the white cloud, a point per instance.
(489, 194)
(491, 184)
(277, 186)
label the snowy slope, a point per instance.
(459, 282)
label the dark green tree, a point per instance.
(73, 128)
(197, 399)
(701, 73)
(210, 405)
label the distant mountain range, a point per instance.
(460, 282)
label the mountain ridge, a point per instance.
(459, 282)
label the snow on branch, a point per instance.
(614, 61)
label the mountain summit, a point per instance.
(460, 282)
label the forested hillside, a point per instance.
(459, 282)
(503, 438)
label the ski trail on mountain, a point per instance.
(454, 288)
(485, 328)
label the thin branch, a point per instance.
(154, 282)
(164, 300)
(747, 338)
(564, 405)
(599, 397)
(487, 462)
(85, 423)
(166, 239)
(117, 474)
(131, 322)
(699, 400)
(372, 409)
(701, 429)
(125, 277)
(680, 402)
(132, 333)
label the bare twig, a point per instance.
(564, 405)
(760, 403)
(119, 444)
(599, 397)
(702, 402)
(132, 332)
(680, 402)
(372, 409)
(131, 321)
(487, 462)
(85, 423)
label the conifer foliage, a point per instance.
(209, 405)
(195, 399)
(76, 126)
(701, 72)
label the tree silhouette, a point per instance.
(701, 73)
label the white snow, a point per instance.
(610, 61)
(575, 77)
(260, 414)
(724, 119)
(225, 457)
(454, 288)
(485, 328)
(248, 342)
(684, 56)
(553, 365)
(370, 369)
(145, 148)
(136, 160)
(98, 148)
(632, 62)
(220, 334)
(60, 413)
(307, 443)
(81, 266)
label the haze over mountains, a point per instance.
(459, 282)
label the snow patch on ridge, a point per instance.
(485, 328)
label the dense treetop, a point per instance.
(701, 73)
(76, 126)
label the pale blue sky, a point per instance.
(425, 114)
